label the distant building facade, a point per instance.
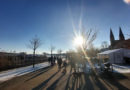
(121, 43)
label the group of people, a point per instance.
(52, 60)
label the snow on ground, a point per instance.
(6, 75)
(116, 68)
(121, 68)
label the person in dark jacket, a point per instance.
(54, 60)
(64, 66)
(59, 61)
(49, 60)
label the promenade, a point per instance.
(51, 78)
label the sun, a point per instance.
(78, 40)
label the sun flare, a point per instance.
(78, 41)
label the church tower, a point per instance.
(121, 35)
(112, 39)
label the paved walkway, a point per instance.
(52, 79)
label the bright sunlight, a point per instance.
(78, 41)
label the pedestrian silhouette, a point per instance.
(59, 61)
(64, 66)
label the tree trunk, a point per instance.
(33, 58)
(51, 53)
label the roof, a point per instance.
(110, 51)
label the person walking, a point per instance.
(54, 60)
(59, 61)
(64, 66)
(49, 60)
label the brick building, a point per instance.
(121, 43)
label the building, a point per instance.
(119, 52)
(121, 43)
(116, 56)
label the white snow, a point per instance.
(6, 75)
(116, 68)
(121, 68)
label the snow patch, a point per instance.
(6, 75)
(121, 68)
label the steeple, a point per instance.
(121, 35)
(112, 39)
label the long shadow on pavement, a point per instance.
(113, 78)
(53, 86)
(75, 82)
(98, 83)
(41, 72)
(88, 83)
(83, 82)
(42, 85)
(67, 84)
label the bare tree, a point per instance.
(34, 44)
(92, 51)
(44, 54)
(128, 36)
(104, 45)
(88, 38)
(59, 51)
(52, 48)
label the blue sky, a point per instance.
(51, 21)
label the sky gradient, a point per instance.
(51, 21)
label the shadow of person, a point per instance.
(42, 85)
(98, 83)
(83, 81)
(68, 80)
(37, 74)
(53, 86)
(113, 78)
(88, 83)
(78, 82)
(75, 82)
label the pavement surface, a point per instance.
(51, 78)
